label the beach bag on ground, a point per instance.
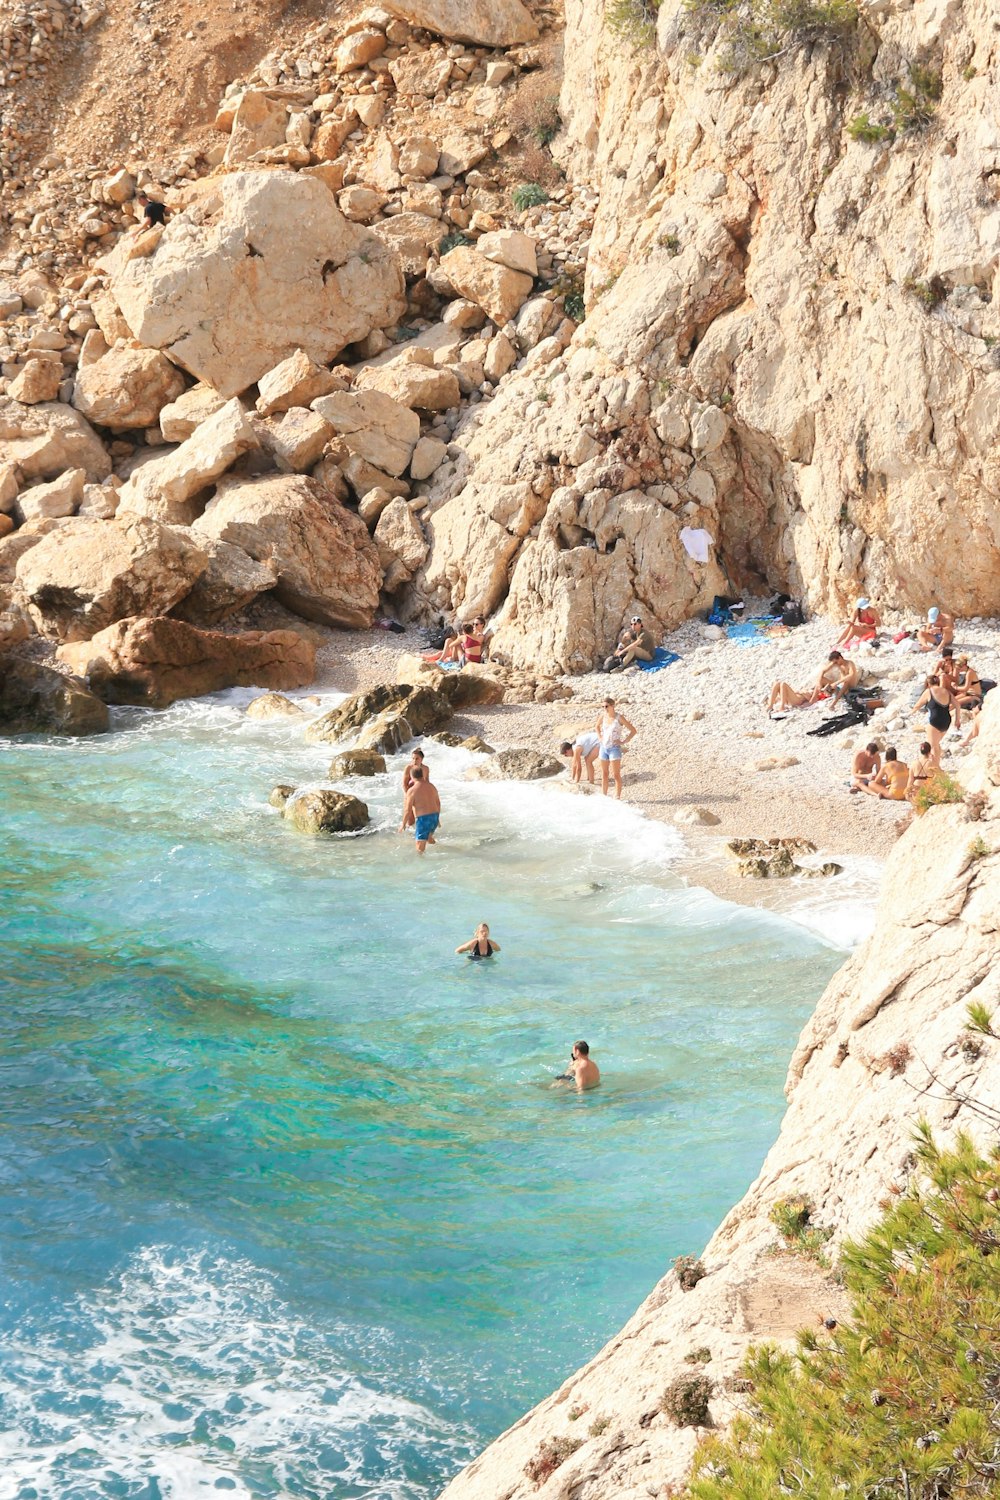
(436, 636)
(724, 610)
(776, 607)
(792, 614)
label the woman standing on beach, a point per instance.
(609, 729)
(938, 699)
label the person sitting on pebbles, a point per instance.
(863, 625)
(865, 767)
(891, 782)
(938, 631)
(922, 770)
(634, 644)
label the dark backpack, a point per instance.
(792, 615)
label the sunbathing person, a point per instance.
(784, 697)
(863, 625)
(891, 782)
(866, 765)
(921, 771)
(939, 630)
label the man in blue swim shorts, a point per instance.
(423, 802)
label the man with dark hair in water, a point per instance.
(423, 802)
(584, 1072)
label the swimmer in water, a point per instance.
(584, 1072)
(480, 946)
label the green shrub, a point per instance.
(453, 241)
(551, 1453)
(941, 788)
(545, 126)
(702, 1356)
(792, 1217)
(903, 1399)
(862, 128)
(914, 107)
(689, 1272)
(755, 31)
(634, 21)
(979, 1019)
(528, 195)
(979, 848)
(685, 1401)
(599, 1425)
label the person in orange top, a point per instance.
(863, 625)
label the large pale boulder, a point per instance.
(401, 543)
(384, 717)
(488, 23)
(43, 441)
(231, 581)
(86, 574)
(126, 387)
(296, 381)
(167, 488)
(295, 439)
(323, 811)
(265, 265)
(179, 420)
(35, 699)
(258, 124)
(325, 563)
(418, 386)
(412, 237)
(39, 380)
(518, 765)
(356, 763)
(59, 497)
(378, 429)
(510, 248)
(156, 661)
(499, 291)
(473, 687)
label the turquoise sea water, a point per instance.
(288, 1205)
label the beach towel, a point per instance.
(662, 658)
(750, 632)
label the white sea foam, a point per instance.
(189, 1370)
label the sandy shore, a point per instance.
(705, 739)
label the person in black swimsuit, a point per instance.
(480, 946)
(938, 698)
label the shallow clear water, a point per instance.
(288, 1204)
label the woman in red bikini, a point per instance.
(863, 626)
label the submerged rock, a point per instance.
(386, 716)
(280, 794)
(326, 812)
(274, 706)
(35, 699)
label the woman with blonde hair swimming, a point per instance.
(481, 945)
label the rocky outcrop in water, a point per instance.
(36, 699)
(325, 812)
(888, 1044)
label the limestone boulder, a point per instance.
(325, 812)
(99, 502)
(172, 488)
(258, 124)
(428, 456)
(154, 662)
(381, 431)
(8, 488)
(180, 418)
(59, 497)
(510, 248)
(35, 699)
(264, 265)
(325, 563)
(44, 441)
(425, 388)
(15, 627)
(383, 718)
(39, 380)
(296, 381)
(126, 388)
(230, 582)
(87, 574)
(413, 237)
(519, 765)
(278, 795)
(402, 546)
(356, 763)
(295, 439)
(274, 706)
(359, 48)
(418, 156)
(487, 23)
(499, 291)
(16, 544)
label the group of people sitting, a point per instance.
(937, 631)
(465, 643)
(836, 678)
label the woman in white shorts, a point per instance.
(609, 731)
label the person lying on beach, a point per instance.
(583, 751)
(862, 626)
(939, 630)
(921, 771)
(609, 728)
(891, 782)
(866, 764)
(423, 802)
(480, 946)
(784, 697)
(584, 1072)
(416, 759)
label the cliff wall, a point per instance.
(790, 340)
(886, 1046)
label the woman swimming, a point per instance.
(480, 946)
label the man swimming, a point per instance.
(584, 1072)
(424, 805)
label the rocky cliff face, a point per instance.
(886, 1046)
(790, 332)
